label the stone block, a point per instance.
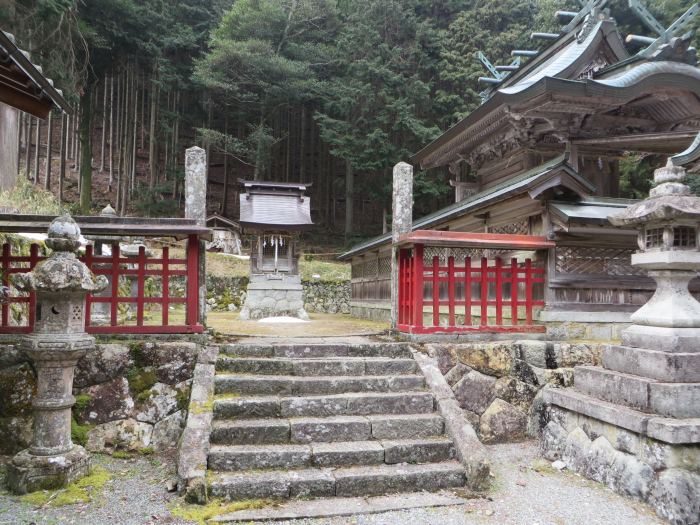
(311, 484)
(343, 454)
(456, 373)
(515, 392)
(406, 426)
(475, 391)
(251, 457)
(569, 355)
(433, 450)
(29, 473)
(553, 441)
(313, 406)
(17, 388)
(654, 364)
(495, 359)
(125, 434)
(161, 401)
(106, 402)
(341, 428)
(390, 403)
(538, 353)
(387, 479)
(676, 496)
(327, 367)
(390, 366)
(444, 356)
(101, 364)
(250, 431)
(680, 400)
(257, 407)
(167, 431)
(252, 385)
(251, 365)
(502, 422)
(615, 387)
(15, 433)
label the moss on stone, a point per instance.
(79, 433)
(82, 401)
(122, 454)
(136, 353)
(141, 379)
(81, 491)
(202, 513)
(147, 451)
(144, 396)
(183, 398)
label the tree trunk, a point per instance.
(111, 130)
(134, 137)
(49, 140)
(104, 125)
(152, 142)
(259, 150)
(86, 149)
(62, 158)
(37, 147)
(349, 193)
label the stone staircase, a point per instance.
(325, 420)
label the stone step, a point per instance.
(394, 350)
(332, 366)
(325, 429)
(295, 385)
(351, 404)
(615, 387)
(348, 481)
(337, 454)
(680, 400)
(654, 364)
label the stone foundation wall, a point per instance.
(664, 475)
(229, 294)
(128, 396)
(497, 383)
(373, 311)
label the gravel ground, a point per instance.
(136, 495)
(526, 492)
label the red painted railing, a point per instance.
(128, 313)
(482, 295)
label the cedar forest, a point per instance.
(332, 92)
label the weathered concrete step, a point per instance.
(654, 364)
(399, 350)
(295, 385)
(350, 404)
(326, 429)
(344, 482)
(680, 400)
(332, 366)
(338, 454)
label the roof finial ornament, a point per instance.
(665, 35)
(499, 72)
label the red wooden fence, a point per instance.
(483, 295)
(135, 269)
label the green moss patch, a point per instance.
(202, 513)
(78, 432)
(82, 401)
(82, 491)
(141, 379)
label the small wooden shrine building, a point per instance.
(226, 235)
(273, 214)
(543, 152)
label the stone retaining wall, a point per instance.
(229, 293)
(497, 384)
(664, 475)
(129, 397)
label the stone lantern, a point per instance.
(668, 223)
(61, 283)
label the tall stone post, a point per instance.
(61, 283)
(196, 208)
(401, 220)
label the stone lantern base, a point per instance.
(29, 473)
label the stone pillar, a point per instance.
(61, 283)
(401, 220)
(196, 208)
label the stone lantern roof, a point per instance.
(62, 271)
(669, 200)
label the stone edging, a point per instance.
(471, 452)
(194, 443)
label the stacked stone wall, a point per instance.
(497, 384)
(130, 397)
(229, 294)
(664, 475)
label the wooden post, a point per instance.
(49, 140)
(417, 286)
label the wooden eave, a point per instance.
(22, 83)
(111, 226)
(475, 240)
